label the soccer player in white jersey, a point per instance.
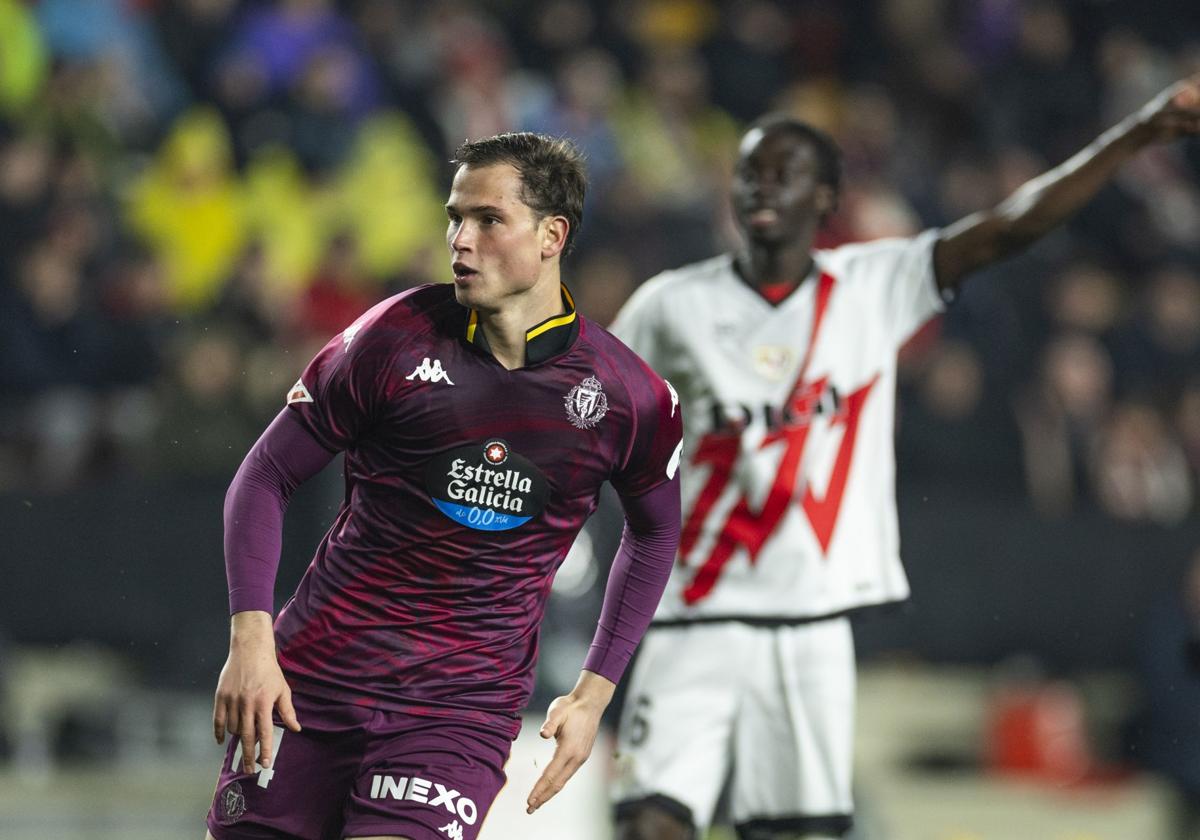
(784, 358)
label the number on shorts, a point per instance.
(639, 727)
(265, 774)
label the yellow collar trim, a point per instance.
(545, 326)
(560, 321)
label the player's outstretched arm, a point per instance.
(251, 688)
(572, 721)
(1049, 199)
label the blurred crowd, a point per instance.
(197, 194)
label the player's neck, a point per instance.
(769, 264)
(506, 328)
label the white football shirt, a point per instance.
(788, 468)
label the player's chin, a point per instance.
(466, 294)
(765, 234)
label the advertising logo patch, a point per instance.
(488, 487)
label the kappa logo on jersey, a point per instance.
(452, 830)
(488, 488)
(299, 393)
(586, 403)
(430, 372)
(673, 464)
(426, 792)
(349, 333)
(674, 397)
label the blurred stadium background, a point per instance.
(195, 194)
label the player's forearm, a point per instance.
(1048, 200)
(283, 458)
(639, 575)
(1038, 206)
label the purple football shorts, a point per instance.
(361, 772)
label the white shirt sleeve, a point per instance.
(639, 323)
(901, 272)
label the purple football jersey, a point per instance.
(466, 484)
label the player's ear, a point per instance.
(826, 200)
(554, 230)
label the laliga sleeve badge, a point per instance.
(586, 403)
(299, 393)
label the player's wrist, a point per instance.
(251, 628)
(593, 690)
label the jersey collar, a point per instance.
(542, 341)
(775, 294)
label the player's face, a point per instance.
(496, 241)
(776, 194)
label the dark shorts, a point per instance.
(359, 772)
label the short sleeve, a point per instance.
(657, 436)
(901, 270)
(336, 397)
(638, 324)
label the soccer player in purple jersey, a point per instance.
(479, 420)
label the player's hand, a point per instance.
(572, 721)
(250, 688)
(1172, 114)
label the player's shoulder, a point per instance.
(713, 270)
(413, 311)
(607, 348)
(618, 360)
(856, 259)
(427, 303)
(675, 288)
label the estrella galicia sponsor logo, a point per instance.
(488, 487)
(232, 804)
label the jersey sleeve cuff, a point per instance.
(606, 662)
(245, 599)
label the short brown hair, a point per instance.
(553, 175)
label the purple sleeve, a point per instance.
(639, 575)
(284, 457)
